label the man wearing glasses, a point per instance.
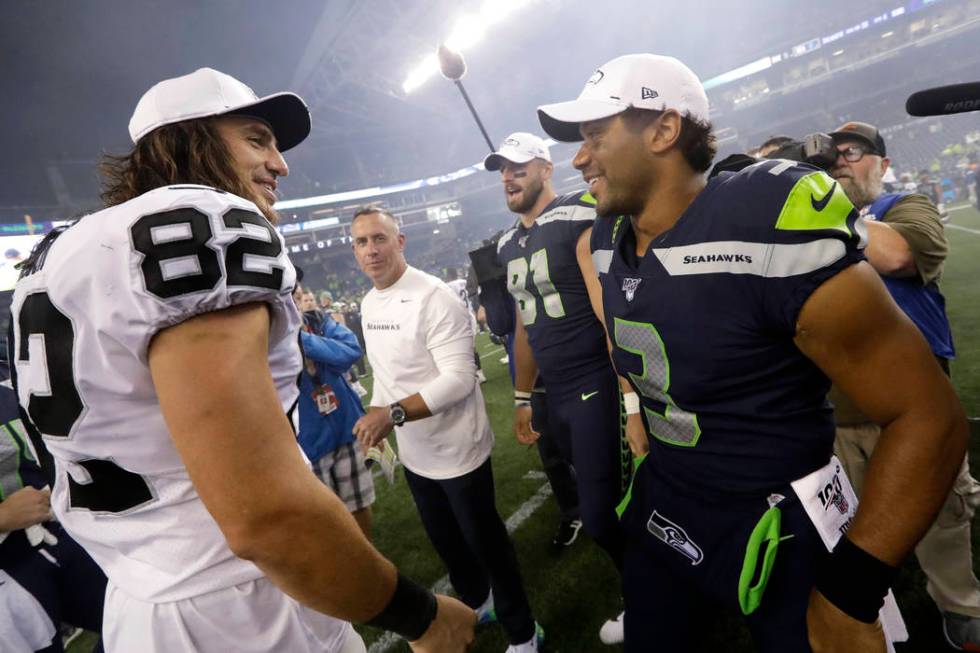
(907, 247)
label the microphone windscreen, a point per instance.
(451, 63)
(944, 100)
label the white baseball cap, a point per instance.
(207, 92)
(519, 147)
(641, 81)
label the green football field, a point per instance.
(573, 592)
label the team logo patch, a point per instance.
(648, 93)
(629, 287)
(513, 142)
(832, 494)
(522, 242)
(675, 537)
(596, 77)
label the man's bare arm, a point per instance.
(854, 332)
(241, 454)
(888, 252)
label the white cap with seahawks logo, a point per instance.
(519, 147)
(641, 81)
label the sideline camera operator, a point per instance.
(907, 247)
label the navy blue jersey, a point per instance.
(546, 283)
(703, 324)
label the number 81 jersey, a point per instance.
(83, 321)
(545, 280)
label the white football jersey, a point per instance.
(82, 326)
(458, 286)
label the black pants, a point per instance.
(71, 589)
(460, 517)
(583, 416)
(697, 558)
(560, 473)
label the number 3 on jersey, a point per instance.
(673, 425)
(517, 271)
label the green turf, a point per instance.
(572, 593)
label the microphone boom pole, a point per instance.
(476, 116)
(453, 68)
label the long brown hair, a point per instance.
(189, 152)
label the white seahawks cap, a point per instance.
(519, 147)
(641, 81)
(207, 92)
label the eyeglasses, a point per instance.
(853, 153)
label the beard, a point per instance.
(625, 202)
(861, 192)
(528, 198)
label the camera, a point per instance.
(817, 149)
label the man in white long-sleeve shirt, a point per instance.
(419, 340)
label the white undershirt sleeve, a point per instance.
(449, 338)
(457, 375)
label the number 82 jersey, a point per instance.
(83, 321)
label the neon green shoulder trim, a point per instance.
(816, 202)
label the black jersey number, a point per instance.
(55, 408)
(177, 259)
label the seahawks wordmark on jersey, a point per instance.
(703, 324)
(82, 325)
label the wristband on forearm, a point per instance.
(521, 398)
(855, 581)
(410, 611)
(631, 402)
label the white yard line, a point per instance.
(441, 586)
(950, 225)
(492, 352)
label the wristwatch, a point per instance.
(397, 414)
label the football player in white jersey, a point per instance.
(156, 351)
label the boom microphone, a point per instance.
(453, 67)
(945, 100)
(451, 63)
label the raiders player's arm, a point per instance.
(854, 332)
(241, 454)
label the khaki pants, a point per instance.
(945, 552)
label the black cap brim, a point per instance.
(285, 113)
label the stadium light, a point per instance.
(468, 31)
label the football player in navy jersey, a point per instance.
(729, 303)
(549, 270)
(155, 350)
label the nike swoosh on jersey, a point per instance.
(819, 205)
(586, 397)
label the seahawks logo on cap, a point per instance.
(648, 93)
(513, 142)
(596, 77)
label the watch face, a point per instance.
(397, 415)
